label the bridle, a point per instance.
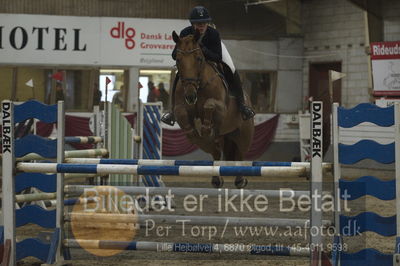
(195, 82)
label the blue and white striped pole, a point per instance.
(326, 166)
(196, 171)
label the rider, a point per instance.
(210, 44)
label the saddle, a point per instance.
(221, 70)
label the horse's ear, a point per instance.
(196, 36)
(175, 37)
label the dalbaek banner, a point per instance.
(67, 40)
(385, 58)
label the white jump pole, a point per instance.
(188, 247)
(183, 191)
(143, 219)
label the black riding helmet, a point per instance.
(199, 14)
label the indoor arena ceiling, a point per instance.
(372, 6)
(268, 18)
(256, 19)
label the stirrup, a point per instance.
(168, 118)
(247, 112)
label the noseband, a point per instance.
(188, 52)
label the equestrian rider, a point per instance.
(210, 44)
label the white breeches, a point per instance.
(226, 58)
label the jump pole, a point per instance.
(144, 219)
(68, 154)
(327, 166)
(19, 198)
(195, 171)
(35, 197)
(84, 140)
(188, 247)
(182, 191)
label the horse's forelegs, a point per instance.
(233, 153)
(182, 117)
(209, 109)
(217, 181)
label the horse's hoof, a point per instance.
(205, 131)
(191, 134)
(217, 181)
(240, 182)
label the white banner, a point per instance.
(386, 102)
(386, 75)
(386, 67)
(66, 40)
(140, 42)
(30, 39)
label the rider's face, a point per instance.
(202, 27)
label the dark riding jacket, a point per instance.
(210, 43)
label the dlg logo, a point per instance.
(119, 32)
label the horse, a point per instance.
(208, 115)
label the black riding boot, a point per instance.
(169, 118)
(247, 112)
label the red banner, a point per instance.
(385, 50)
(174, 141)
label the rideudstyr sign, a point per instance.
(66, 40)
(385, 57)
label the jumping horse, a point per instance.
(204, 109)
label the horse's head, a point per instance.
(190, 62)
